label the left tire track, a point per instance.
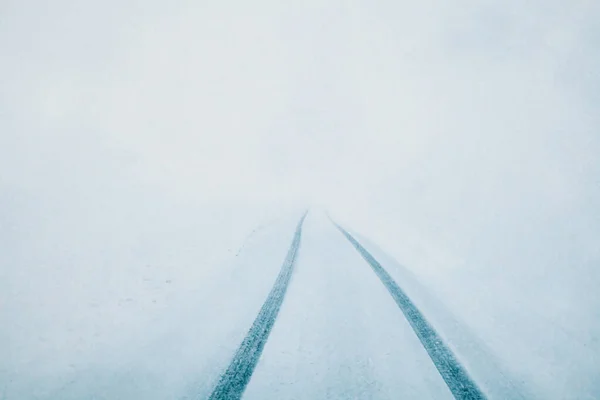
(234, 380)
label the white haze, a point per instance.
(461, 137)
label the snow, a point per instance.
(145, 304)
(340, 335)
(496, 379)
(158, 312)
(520, 335)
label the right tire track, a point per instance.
(462, 386)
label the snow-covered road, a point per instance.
(340, 334)
(347, 330)
(296, 313)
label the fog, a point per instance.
(461, 138)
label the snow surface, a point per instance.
(144, 305)
(159, 312)
(340, 335)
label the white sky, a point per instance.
(448, 124)
(335, 103)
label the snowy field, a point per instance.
(147, 321)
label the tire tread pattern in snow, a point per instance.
(234, 380)
(454, 374)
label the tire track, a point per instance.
(234, 380)
(454, 374)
